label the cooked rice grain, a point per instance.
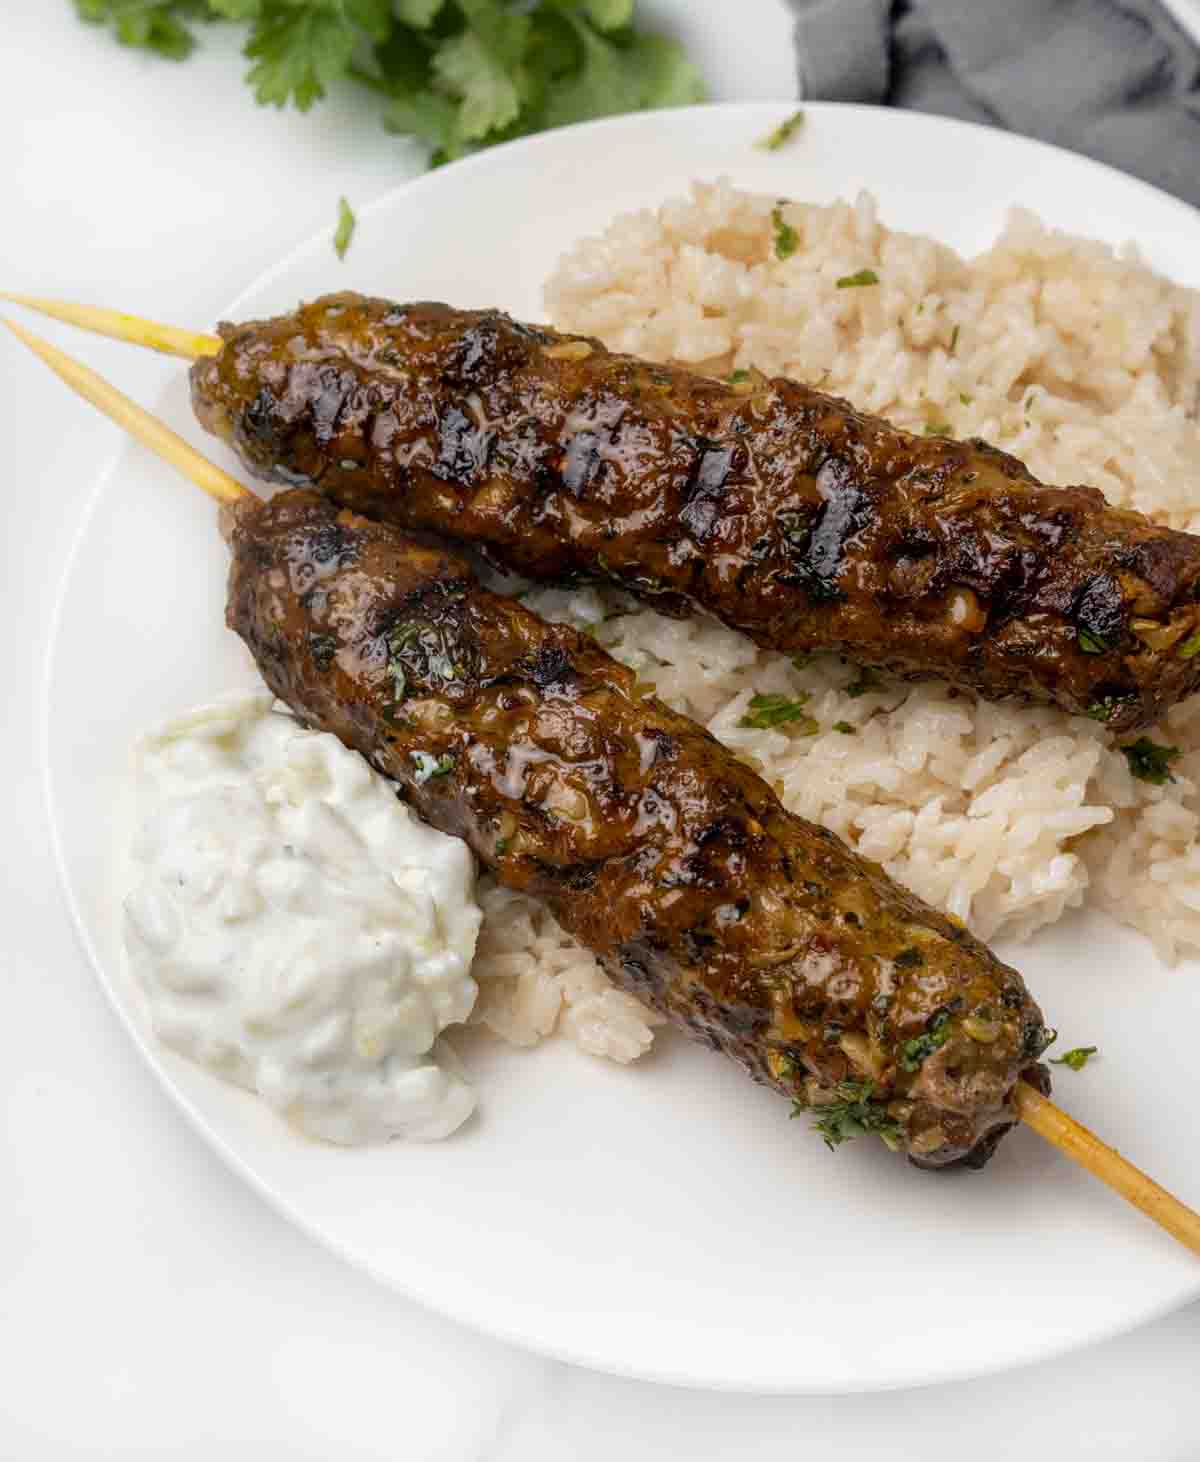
(1080, 361)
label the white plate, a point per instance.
(665, 1221)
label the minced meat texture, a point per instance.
(759, 933)
(782, 511)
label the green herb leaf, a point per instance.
(787, 240)
(1189, 648)
(152, 27)
(345, 228)
(854, 1114)
(237, 9)
(609, 14)
(1106, 709)
(1149, 761)
(491, 80)
(454, 73)
(965, 399)
(954, 342)
(428, 766)
(431, 118)
(777, 710)
(1092, 644)
(1076, 1059)
(845, 728)
(860, 280)
(938, 429)
(786, 130)
(297, 52)
(616, 72)
(868, 680)
(420, 14)
(915, 1052)
(735, 378)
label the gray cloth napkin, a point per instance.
(1116, 79)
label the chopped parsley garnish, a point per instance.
(937, 1032)
(735, 378)
(421, 651)
(1076, 1059)
(1104, 710)
(845, 728)
(953, 343)
(937, 429)
(430, 766)
(868, 680)
(787, 240)
(1149, 761)
(1189, 648)
(400, 637)
(1092, 644)
(786, 130)
(777, 710)
(345, 228)
(860, 280)
(854, 1114)
(501, 847)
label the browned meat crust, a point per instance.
(761, 934)
(782, 511)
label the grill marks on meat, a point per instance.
(761, 934)
(780, 510)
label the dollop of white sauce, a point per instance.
(296, 929)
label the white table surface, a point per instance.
(150, 1305)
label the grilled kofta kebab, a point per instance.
(553, 739)
(782, 511)
(760, 933)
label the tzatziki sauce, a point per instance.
(296, 929)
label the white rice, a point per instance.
(1083, 363)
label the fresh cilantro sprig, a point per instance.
(161, 28)
(456, 74)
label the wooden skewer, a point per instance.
(138, 422)
(168, 339)
(1107, 1164)
(1036, 1111)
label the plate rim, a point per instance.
(513, 1334)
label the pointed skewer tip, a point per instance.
(167, 339)
(155, 434)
